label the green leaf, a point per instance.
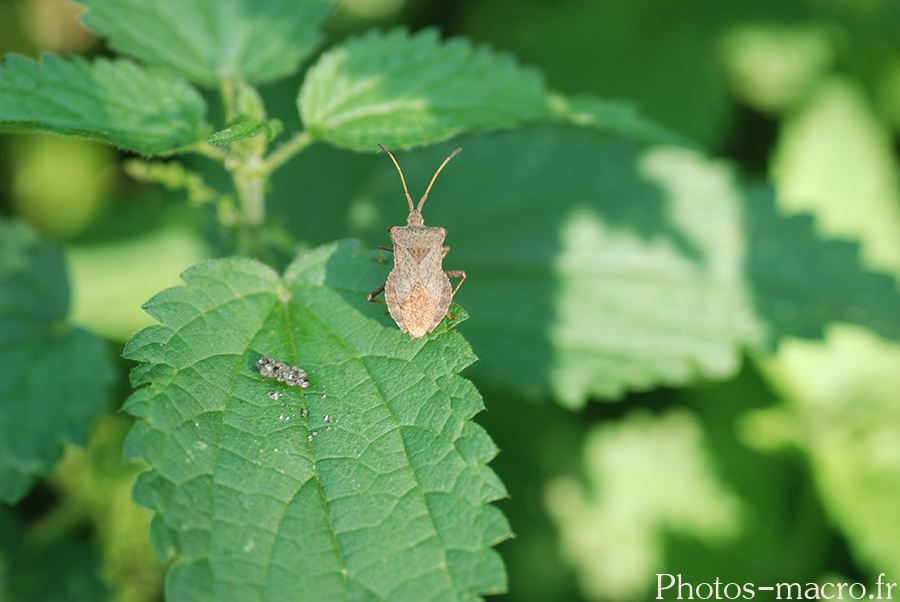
(843, 413)
(246, 128)
(116, 102)
(615, 117)
(369, 484)
(53, 378)
(245, 40)
(802, 282)
(239, 131)
(593, 267)
(647, 478)
(403, 90)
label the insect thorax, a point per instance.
(418, 236)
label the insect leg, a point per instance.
(444, 251)
(381, 249)
(371, 296)
(456, 274)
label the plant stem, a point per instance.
(228, 92)
(283, 153)
(247, 162)
(244, 159)
(250, 182)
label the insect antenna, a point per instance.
(425, 196)
(402, 179)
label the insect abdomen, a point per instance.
(418, 309)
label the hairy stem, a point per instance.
(244, 160)
(250, 184)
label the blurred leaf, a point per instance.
(844, 393)
(94, 485)
(658, 54)
(406, 90)
(615, 117)
(647, 477)
(60, 184)
(66, 571)
(370, 483)
(116, 102)
(774, 68)
(785, 535)
(593, 267)
(113, 278)
(244, 40)
(802, 282)
(655, 56)
(836, 160)
(53, 378)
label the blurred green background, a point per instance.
(788, 472)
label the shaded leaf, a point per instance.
(403, 90)
(615, 117)
(661, 56)
(115, 102)
(368, 484)
(836, 160)
(240, 39)
(53, 378)
(593, 267)
(802, 282)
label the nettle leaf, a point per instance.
(53, 378)
(404, 90)
(370, 484)
(249, 40)
(116, 102)
(802, 282)
(594, 267)
(616, 117)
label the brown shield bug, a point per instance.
(418, 291)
